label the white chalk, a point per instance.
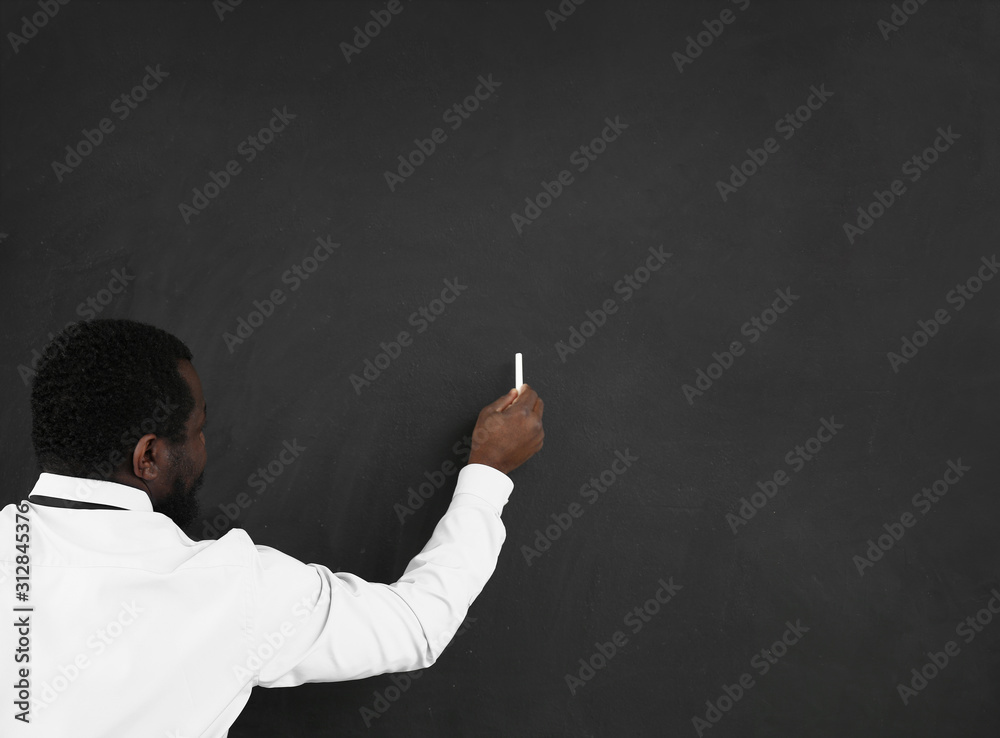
(518, 373)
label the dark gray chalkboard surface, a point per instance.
(748, 250)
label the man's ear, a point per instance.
(148, 457)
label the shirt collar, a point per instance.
(91, 490)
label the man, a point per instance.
(127, 627)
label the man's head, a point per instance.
(120, 401)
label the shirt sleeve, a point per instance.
(315, 625)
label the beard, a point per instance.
(181, 505)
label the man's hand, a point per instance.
(509, 431)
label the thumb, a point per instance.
(501, 403)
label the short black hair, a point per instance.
(99, 387)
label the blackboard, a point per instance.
(746, 248)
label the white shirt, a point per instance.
(136, 630)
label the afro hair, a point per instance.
(99, 387)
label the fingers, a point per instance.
(501, 403)
(527, 397)
(527, 402)
(509, 430)
(531, 402)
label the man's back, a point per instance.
(117, 626)
(135, 629)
